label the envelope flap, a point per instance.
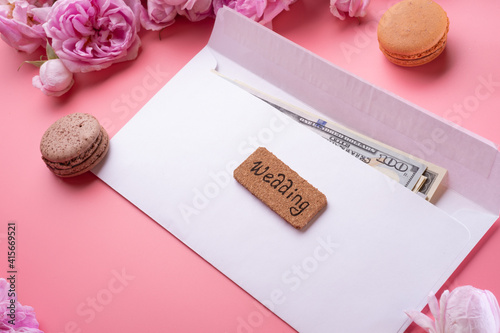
(297, 75)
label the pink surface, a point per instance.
(89, 261)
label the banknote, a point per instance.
(434, 175)
(397, 166)
(432, 179)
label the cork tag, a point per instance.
(280, 188)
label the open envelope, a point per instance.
(376, 250)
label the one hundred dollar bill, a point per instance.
(397, 166)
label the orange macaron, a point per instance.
(413, 32)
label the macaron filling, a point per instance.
(87, 165)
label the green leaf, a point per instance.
(51, 54)
(36, 63)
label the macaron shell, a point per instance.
(68, 164)
(69, 137)
(88, 163)
(413, 32)
(420, 59)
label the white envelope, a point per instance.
(377, 250)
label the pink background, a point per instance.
(76, 236)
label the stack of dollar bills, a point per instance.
(421, 177)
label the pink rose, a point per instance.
(21, 23)
(195, 10)
(90, 35)
(353, 8)
(25, 320)
(464, 310)
(262, 11)
(157, 15)
(54, 79)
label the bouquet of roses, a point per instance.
(89, 35)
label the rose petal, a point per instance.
(352, 8)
